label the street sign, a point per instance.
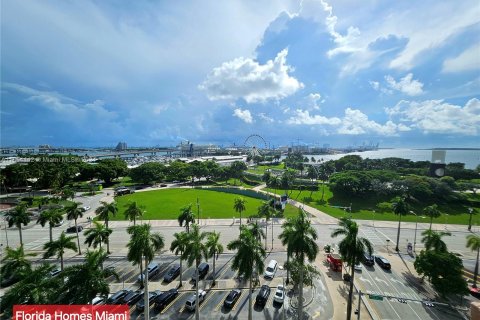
(375, 297)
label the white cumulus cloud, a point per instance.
(254, 82)
(406, 85)
(355, 122)
(244, 115)
(304, 117)
(468, 60)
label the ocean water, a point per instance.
(471, 158)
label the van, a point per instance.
(271, 269)
(152, 270)
(202, 271)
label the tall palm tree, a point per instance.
(194, 252)
(266, 210)
(103, 212)
(186, 217)
(133, 211)
(256, 230)
(351, 249)
(473, 242)
(73, 213)
(249, 253)
(215, 248)
(83, 282)
(58, 247)
(178, 246)
(142, 246)
(52, 217)
(433, 240)
(16, 217)
(400, 207)
(97, 235)
(286, 237)
(239, 206)
(432, 212)
(15, 262)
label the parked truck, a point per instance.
(335, 261)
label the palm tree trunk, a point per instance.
(475, 273)
(266, 232)
(20, 232)
(300, 295)
(240, 219)
(78, 238)
(197, 302)
(323, 189)
(181, 271)
(288, 269)
(431, 220)
(350, 292)
(51, 231)
(146, 312)
(213, 283)
(108, 238)
(250, 299)
(61, 262)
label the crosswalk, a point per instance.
(373, 236)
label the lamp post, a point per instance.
(415, 236)
(470, 210)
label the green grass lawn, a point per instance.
(166, 204)
(363, 208)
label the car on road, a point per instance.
(172, 273)
(60, 223)
(232, 298)
(84, 208)
(117, 297)
(279, 294)
(152, 270)
(358, 267)
(55, 272)
(97, 301)
(263, 295)
(202, 271)
(271, 269)
(162, 300)
(140, 306)
(368, 260)
(132, 297)
(382, 262)
(190, 304)
(74, 229)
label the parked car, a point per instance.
(84, 208)
(202, 271)
(279, 294)
(152, 270)
(132, 297)
(97, 301)
(232, 298)
(263, 295)
(382, 262)
(162, 300)
(140, 306)
(55, 272)
(358, 267)
(368, 260)
(59, 224)
(117, 297)
(74, 230)
(271, 269)
(172, 273)
(190, 304)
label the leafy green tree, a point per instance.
(473, 242)
(73, 213)
(400, 207)
(110, 169)
(142, 246)
(351, 248)
(236, 170)
(16, 217)
(52, 217)
(248, 258)
(97, 235)
(15, 263)
(134, 211)
(178, 246)
(239, 206)
(215, 248)
(103, 212)
(148, 173)
(194, 252)
(309, 271)
(432, 212)
(177, 170)
(186, 217)
(286, 180)
(58, 247)
(67, 193)
(432, 240)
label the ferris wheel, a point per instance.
(255, 144)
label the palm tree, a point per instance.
(178, 246)
(433, 240)
(286, 237)
(73, 213)
(473, 242)
(215, 248)
(186, 217)
(400, 207)
(52, 217)
(300, 236)
(103, 212)
(432, 212)
(194, 252)
(15, 263)
(351, 248)
(250, 253)
(133, 211)
(256, 230)
(97, 235)
(142, 246)
(266, 210)
(239, 206)
(58, 247)
(16, 217)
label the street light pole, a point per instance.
(470, 210)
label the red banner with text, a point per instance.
(71, 312)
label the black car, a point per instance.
(263, 295)
(202, 271)
(140, 306)
(162, 300)
(232, 298)
(382, 262)
(132, 297)
(172, 273)
(74, 229)
(368, 260)
(117, 297)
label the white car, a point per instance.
(279, 294)
(190, 304)
(271, 269)
(358, 267)
(85, 208)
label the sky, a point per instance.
(312, 72)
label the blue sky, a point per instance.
(93, 73)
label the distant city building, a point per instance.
(121, 146)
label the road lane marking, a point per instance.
(206, 300)
(173, 302)
(217, 307)
(237, 302)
